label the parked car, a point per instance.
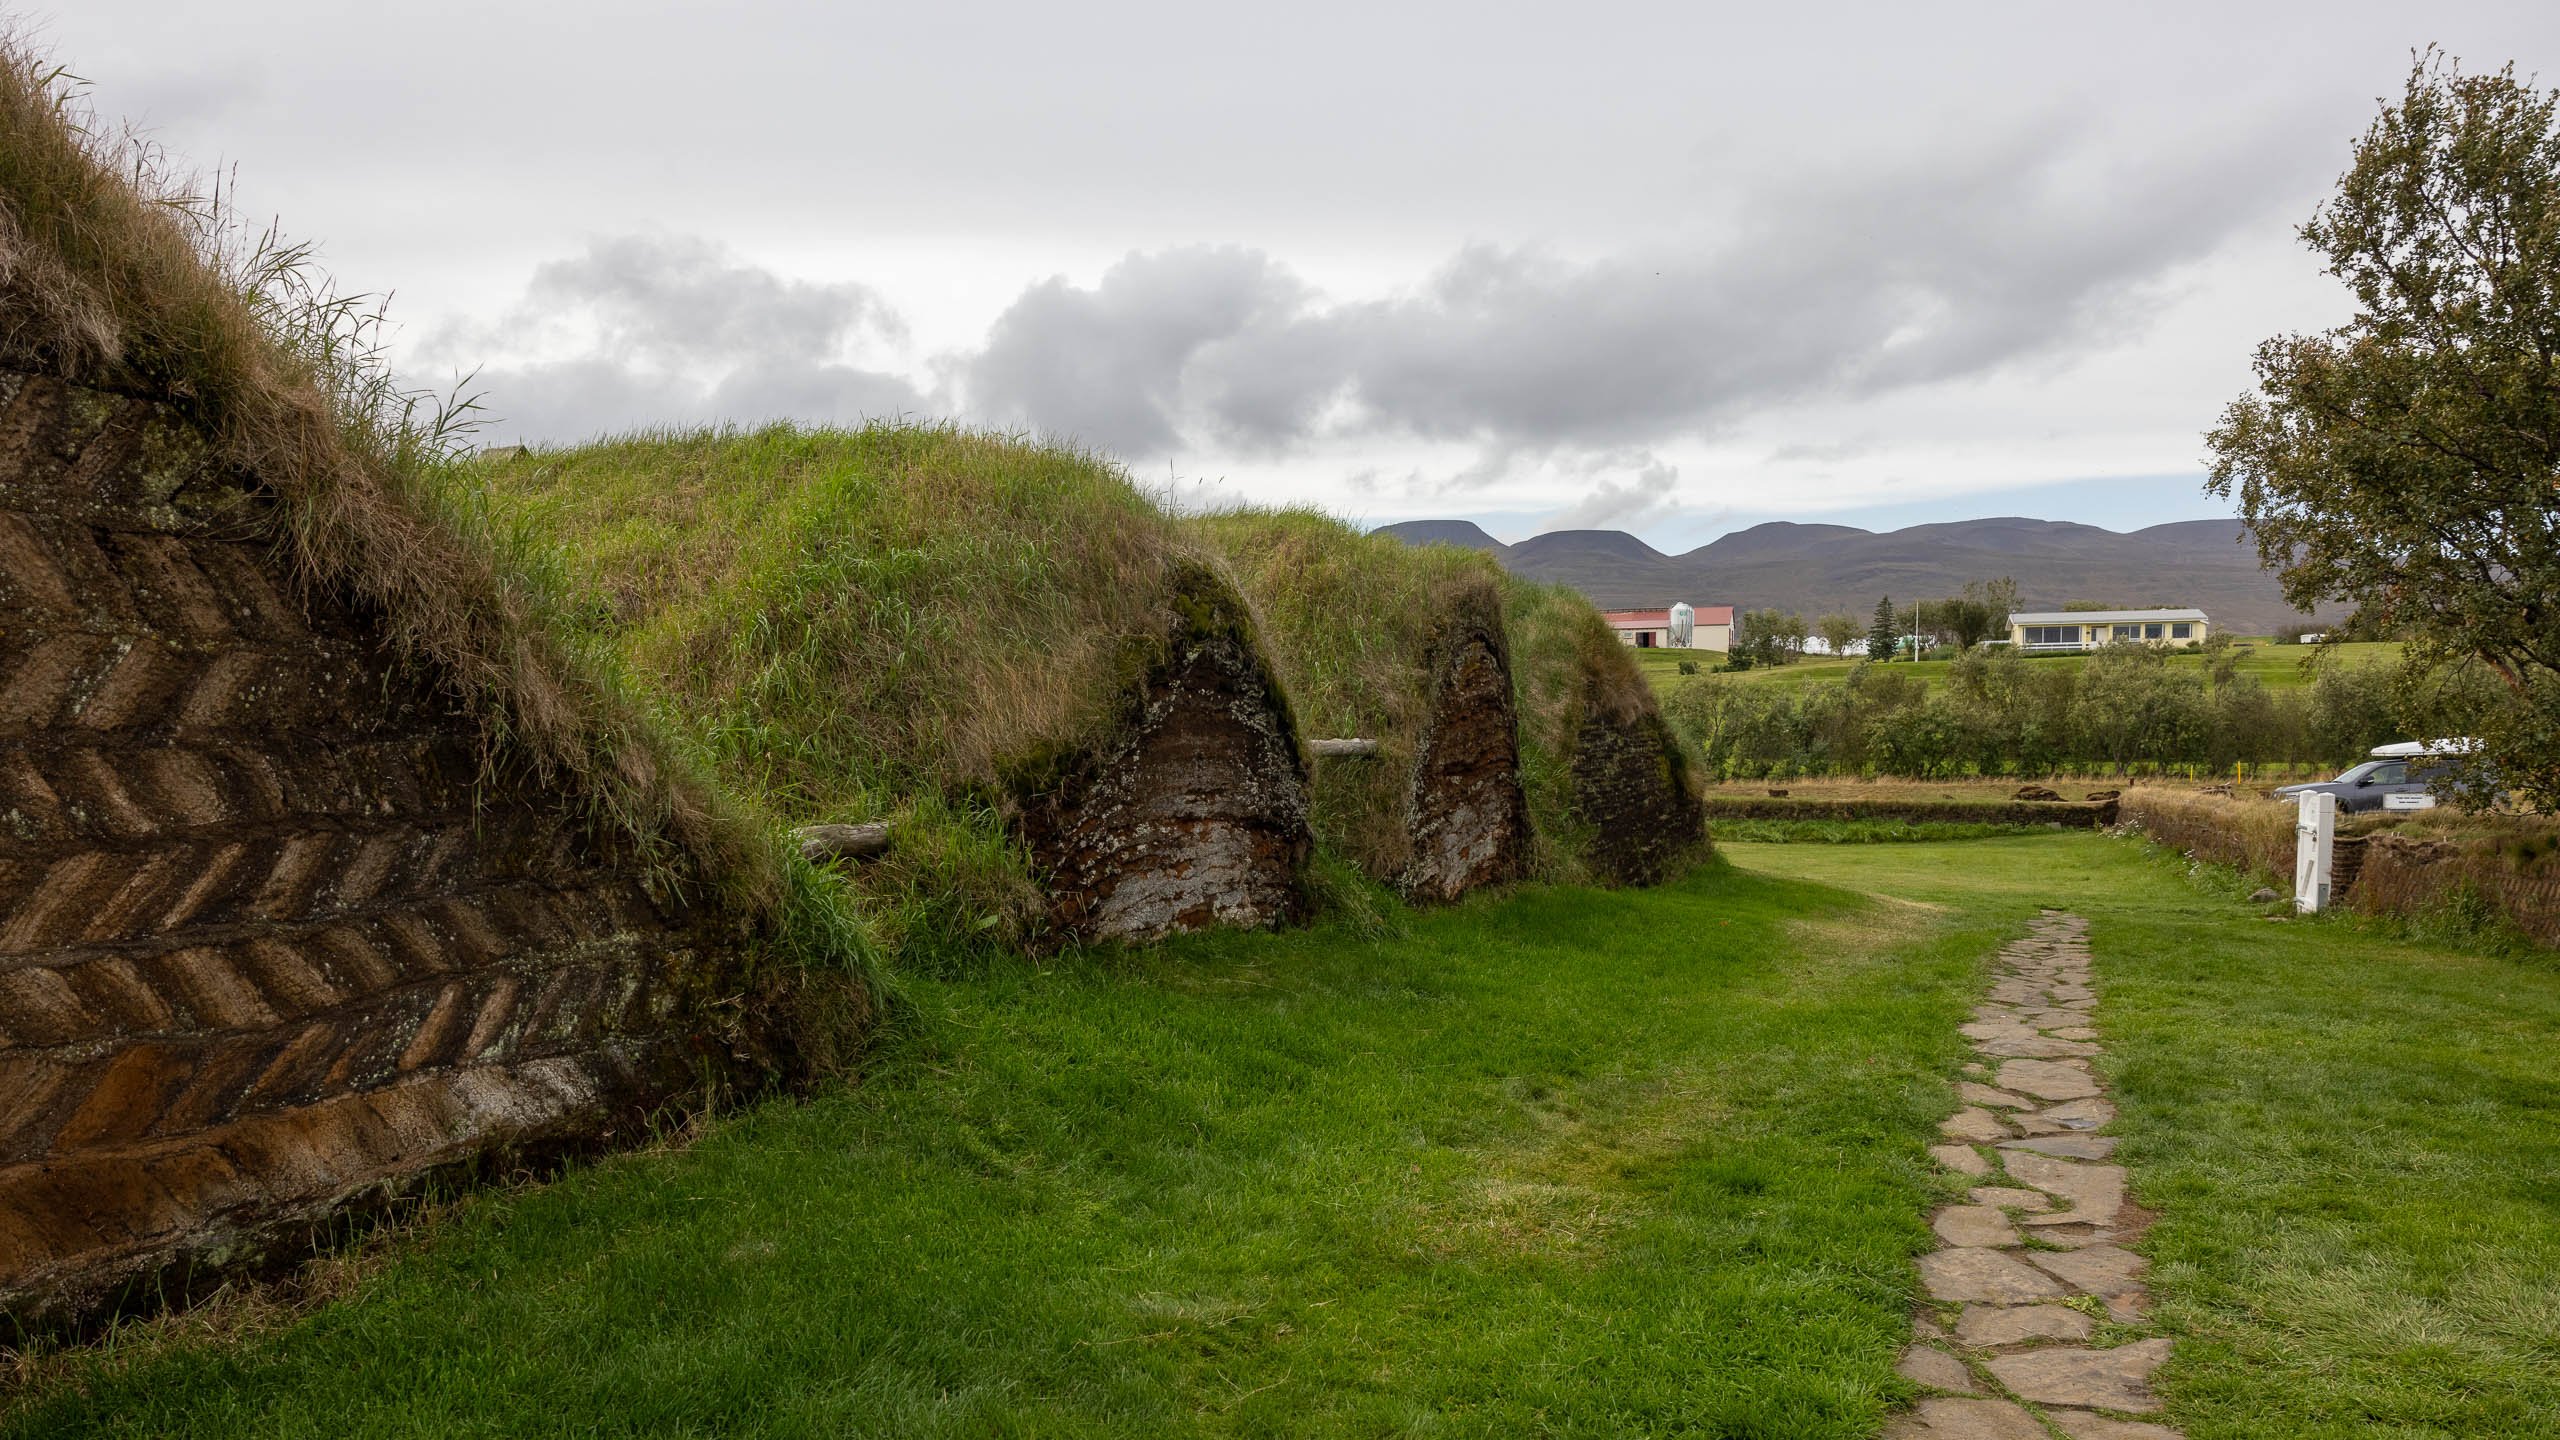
(2410, 767)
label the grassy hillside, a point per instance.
(906, 623)
(1351, 621)
(918, 623)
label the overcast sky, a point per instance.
(1667, 267)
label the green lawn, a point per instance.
(2278, 667)
(1569, 1162)
(2353, 1141)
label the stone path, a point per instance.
(2030, 1277)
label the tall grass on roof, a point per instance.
(1350, 621)
(907, 622)
(118, 273)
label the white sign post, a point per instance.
(2314, 831)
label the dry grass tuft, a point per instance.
(2245, 831)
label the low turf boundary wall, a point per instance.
(2381, 871)
(2075, 815)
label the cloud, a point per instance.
(1909, 272)
(1651, 493)
(1117, 366)
(655, 330)
(1865, 284)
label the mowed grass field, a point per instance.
(2353, 1140)
(1569, 1162)
(1561, 1163)
(2278, 667)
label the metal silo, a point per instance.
(1684, 625)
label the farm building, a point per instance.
(1681, 627)
(2089, 629)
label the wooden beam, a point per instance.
(827, 844)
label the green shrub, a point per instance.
(1996, 712)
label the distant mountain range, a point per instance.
(1815, 569)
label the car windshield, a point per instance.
(2358, 773)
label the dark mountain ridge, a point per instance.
(1815, 569)
(1578, 546)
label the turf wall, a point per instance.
(277, 929)
(2068, 814)
(2506, 866)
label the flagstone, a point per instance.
(2031, 1045)
(2076, 1237)
(2096, 1192)
(2098, 1269)
(1963, 1159)
(2010, 1198)
(1946, 1418)
(1973, 1225)
(1975, 1093)
(2081, 1425)
(2090, 1112)
(2073, 1147)
(2047, 1079)
(1973, 1123)
(2013, 1324)
(2117, 1379)
(1936, 1369)
(1990, 1275)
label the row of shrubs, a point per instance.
(1999, 713)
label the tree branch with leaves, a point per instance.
(2408, 461)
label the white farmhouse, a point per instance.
(2047, 632)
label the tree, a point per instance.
(2406, 461)
(1981, 612)
(1976, 615)
(1880, 631)
(1925, 623)
(1837, 630)
(1769, 637)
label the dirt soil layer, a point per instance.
(1197, 819)
(1628, 787)
(272, 935)
(1467, 813)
